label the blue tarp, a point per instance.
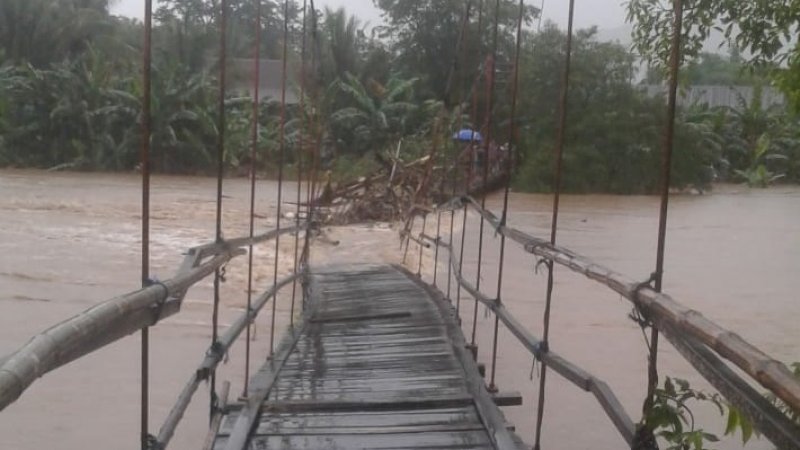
(467, 135)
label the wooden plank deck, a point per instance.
(377, 363)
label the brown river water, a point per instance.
(71, 240)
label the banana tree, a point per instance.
(372, 119)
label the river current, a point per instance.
(70, 240)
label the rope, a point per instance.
(253, 159)
(144, 435)
(282, 145)
(554, 223)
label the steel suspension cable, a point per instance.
(282, 151)
(253, 159)
(491, 70)
(558, 165)
(299, 161)
(666, 173)
(508, 169)
(145, 251)
(220, 162)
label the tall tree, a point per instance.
(424, 35)
(41, 32)
(766, 29)
(343, 37)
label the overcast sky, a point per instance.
(606, 14)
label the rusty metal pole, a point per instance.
(145, 164)
(457, 169)
(554, 222)
(508, 169)
(472, 345)
(489, 119)
(299, 161)
(223, 18)
(644, 435)
(310, 124)
(253, 159)
(282, 146)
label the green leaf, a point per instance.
(733, 421)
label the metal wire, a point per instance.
(470, 174)
(312, 151)
(282, 150)
(220, 161)
(145, 164)
(487, 139)
(253, 159)
(554, 222)
(299, 161)
(456, 153)
(508, 168)
(666, 166)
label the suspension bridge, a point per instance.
(375, 356)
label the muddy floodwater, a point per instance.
(68, 241)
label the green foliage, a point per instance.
(373, 119)
(764, 29)
(757, 174)
(615, 133)
(70, 95)
(424, 35)
(40, 32)
(672, 419)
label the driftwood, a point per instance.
(396, 189)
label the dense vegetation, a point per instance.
(70, 94)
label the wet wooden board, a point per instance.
(376, 367)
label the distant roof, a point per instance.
(241, 72)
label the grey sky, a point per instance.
(606, 14)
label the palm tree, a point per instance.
(372, 118)
(342, 39)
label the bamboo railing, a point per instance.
(699, 340)
(121, 316)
